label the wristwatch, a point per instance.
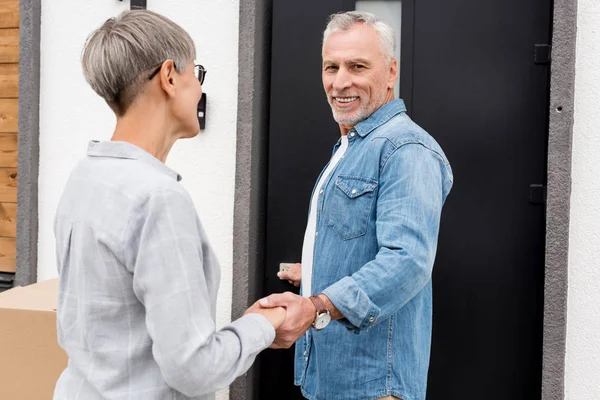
(323, 317)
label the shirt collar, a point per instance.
(128, 151)
(380, 117)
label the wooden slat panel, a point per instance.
(8, 185)
(9, 80)
(9, 88)
(8, 251)
(8, 220)
(9, 45)
(9, 13)
(8, 150)
(9, 109)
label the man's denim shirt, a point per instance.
(378, 219)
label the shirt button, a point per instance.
(304, 353)
(352, 134)
(371, 319)
(353, 191)
(317, 234)
(321, 191)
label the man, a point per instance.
(372, 231)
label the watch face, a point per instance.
(322, 321)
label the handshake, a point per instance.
(291, 315)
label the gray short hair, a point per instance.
(117, 54)
(342, 21)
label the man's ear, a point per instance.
(168, 77)
(393, 73)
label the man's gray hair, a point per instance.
(118, 56)
(343, 21)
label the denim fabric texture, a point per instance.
(377, 229)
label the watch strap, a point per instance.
(319, 305)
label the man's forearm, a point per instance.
(333, 311)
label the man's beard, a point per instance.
(352, 118)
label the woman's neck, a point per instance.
(147, 131)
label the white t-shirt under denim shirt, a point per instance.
(138, 287)
(311, 226)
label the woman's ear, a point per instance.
(168, 77)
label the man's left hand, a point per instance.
(300, 315)
(293, 275)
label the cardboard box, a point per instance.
(30, 358)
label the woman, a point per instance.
(138, 278)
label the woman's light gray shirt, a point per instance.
(138, 286)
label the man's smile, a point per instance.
(345, 102)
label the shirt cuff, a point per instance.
(354, 304)
(256, 332)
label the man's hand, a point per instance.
(292, 275)
(300, 315)
(275, 315)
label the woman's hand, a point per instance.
(292, 275)
(276, 316)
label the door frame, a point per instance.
(28, 142)
(251, 168)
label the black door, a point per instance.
(470, 78)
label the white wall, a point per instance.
(583, 318)
(71, 114)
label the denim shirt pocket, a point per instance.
(350, 206)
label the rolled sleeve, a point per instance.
(354, 303)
